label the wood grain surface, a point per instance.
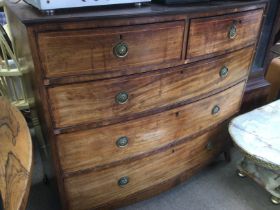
(77, 77)
(95, 101)
(210, 36)
(98, 188)
(91, 51)
(94, 148)
(15, 157)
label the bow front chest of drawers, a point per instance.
(135, 100)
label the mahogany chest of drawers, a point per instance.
(135, 100)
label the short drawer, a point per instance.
(130, 181)
(106, 100)
(116, 50)
(217, 35)
(98, 147)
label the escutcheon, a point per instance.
(210, 146)
(224, 72)
(216, 109)
(233, 30)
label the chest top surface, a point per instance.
(258, 133)
(29, 15)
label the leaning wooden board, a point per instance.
(136, 103)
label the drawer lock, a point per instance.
(224, 72)
(216, 109)
(233, 30)
(210, 146)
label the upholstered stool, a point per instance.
(257, 135)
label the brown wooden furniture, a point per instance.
(273, 76)
(135, 100)
(15, 157)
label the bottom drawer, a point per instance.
(144, 177)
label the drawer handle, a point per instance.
(210, 146)
(216, 109)
(122, 141)
(233, 30)
(224, 72)
(122, 98)
(121, 50)
(123, 181)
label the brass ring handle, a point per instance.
(210, 146)
(122, 98)
(224, 72)
(123, 181)
(121, 50)
(122, 141)
(216, 109)
(233, 30)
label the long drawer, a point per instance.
(119, 50)
(158, 172)
(105, 100)
(133, 138)
(217, 35)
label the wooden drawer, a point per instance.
(211, 36)
(144, 134)
(93, 102)
(95, 51)
(158, 172)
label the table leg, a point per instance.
(267, 178)
(275, 200)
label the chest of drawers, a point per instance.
(136, 100)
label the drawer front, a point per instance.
(217, 35)
(116, 184)
(105, 100)
(126, 49)
(98, 147)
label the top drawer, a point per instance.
(217, 35)
(112, 51)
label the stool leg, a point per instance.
(241, 174)
(241, 167)
(275, 200)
